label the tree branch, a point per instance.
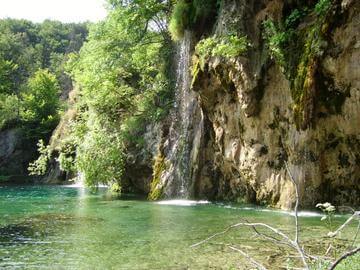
(356, 234)
(247, 256)
(296, 240)
(356, 214)
(343, 257)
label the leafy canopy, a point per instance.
(123, 76)
(40, 103)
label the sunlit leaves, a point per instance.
(120, 73)
(40, 103)
(8, 109)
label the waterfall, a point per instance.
(178, 147)
(185, 124)
(183, 103)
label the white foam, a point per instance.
(306, 214)
(75, 185)
(81, 185)
(182, 202)
(291, 213)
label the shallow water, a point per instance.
(53, 227)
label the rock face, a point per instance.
(247, 129)
(237, 123)
(14, 155)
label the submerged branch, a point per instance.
(247, 256)
(356, 214)
(287, 241)
(276, 231)
(356, 234)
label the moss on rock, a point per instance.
(156, 189)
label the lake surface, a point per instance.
(54, 227)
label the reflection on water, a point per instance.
(72, 228)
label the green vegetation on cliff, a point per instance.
(193, 15)
(33, 79)
(124, 76)
(224, 46)
(297, 45)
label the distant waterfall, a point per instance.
(180, 142)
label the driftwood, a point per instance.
(283, 238)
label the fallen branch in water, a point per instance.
(356, 234)
(276, 231)
(247, 256)
(285, 239)
(356, 214)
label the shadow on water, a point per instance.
(35, 229)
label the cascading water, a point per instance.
(179, 146)
(184, 106)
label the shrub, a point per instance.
(9, 109)
(226, 46)
(180, 19)
(189, 14)
(275, 40)
(40, 104)
(100, 157)
(322, 7)
(39, 166)
(67, 156)
(230, 46)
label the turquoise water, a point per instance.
(53, 227)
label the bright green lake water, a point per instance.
(53, 227)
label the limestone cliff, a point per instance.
(247, 121)
(292, 96)
(14, 156)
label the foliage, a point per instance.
(297, 51)
(8, 109)
(123, 73)
(295, 17)
(322, 7)
(230, 46)
(329, 211)
(115, 188)
(29, 46)
(7, 82)
(275, 41)
(40, 104)
(66, 157)
(225, 46)
(39, 166)
(100, 157)
(180, 19)
(188, 15)
(32, 58)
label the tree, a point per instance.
(123, 76)
(7, 84)
(9, 109)
(40, 104)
